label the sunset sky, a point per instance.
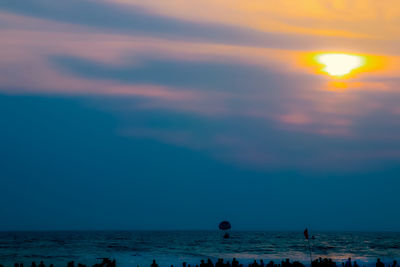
(156, 114)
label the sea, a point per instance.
(139, 248)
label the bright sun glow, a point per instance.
(339, 64)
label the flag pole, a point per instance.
(309, 245)
(309, 249)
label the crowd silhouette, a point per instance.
(326, 262)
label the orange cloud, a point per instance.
(346, 18)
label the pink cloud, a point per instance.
(295, 118)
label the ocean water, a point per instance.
(132, 248)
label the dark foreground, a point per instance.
(132, 248)
(326, 262)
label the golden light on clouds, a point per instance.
(346, 18)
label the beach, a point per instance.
(132, 248)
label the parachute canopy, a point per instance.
(225, 225)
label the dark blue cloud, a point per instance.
(206, 75)
(248, 85)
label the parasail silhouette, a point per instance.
(225, 226)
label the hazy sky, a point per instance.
(132, 114)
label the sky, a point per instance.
(162, 115)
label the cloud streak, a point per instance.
(245, 82)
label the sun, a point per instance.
(339, 64)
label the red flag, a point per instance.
(306, 233)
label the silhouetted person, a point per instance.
(16, 265)
(41, 264)
(21, 265)
(202, 264)
(262, 263)
(72, 263)
(394, 264)
(255, 264)
(348, 263)
(297, 264)
(210, 263)
(355, 264)
(33, 264)
(331, 263)
(235, 263)
(379, 263)
(154, 264)
(227, 264)
(183, 264)
(51, 265)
